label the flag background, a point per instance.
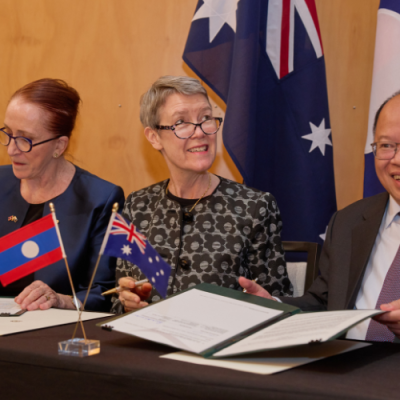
(385, 81)
(266, 117)
(154, 34)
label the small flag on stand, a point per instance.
(29, 249)
(125, 241)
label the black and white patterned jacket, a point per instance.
(235, 232)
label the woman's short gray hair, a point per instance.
(156, 96)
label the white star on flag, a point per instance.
(323, 235)
(219, 12)
(126, 250)
(319, 137)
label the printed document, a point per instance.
(39, 319)
(299, 329)
(194, 320)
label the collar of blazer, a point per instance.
(362, 241)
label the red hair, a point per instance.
(57, 98)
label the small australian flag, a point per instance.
(125, 241)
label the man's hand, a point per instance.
(38, 295)
(392, 318)
(132, 299)
(253, 288)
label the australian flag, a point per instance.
(385, 81)
(125, 241)
(265, 60)
(29, 249)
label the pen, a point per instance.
(120, 289)
(254, 280)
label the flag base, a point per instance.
(79, 347)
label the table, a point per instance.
(128, 367)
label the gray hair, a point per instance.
(378, 113)
(155, 97)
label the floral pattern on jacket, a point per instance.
(235, 232)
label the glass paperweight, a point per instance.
(79, 347)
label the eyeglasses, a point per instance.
(185, 130)
(384, 150)
(23, 144)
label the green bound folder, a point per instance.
(182, 322)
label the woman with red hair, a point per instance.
(38, 123)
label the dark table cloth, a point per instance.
(127, 367)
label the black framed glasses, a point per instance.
(185, 130)
(384, 150)
(23, 144)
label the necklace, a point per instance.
(195, 204)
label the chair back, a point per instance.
(302, 274)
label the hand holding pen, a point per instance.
(119, 289)
(132, 294)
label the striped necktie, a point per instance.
(390, 291)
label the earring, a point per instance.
(55, 155)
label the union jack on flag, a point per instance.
(121, 227)
(265, 60)
(125, 241)
(280, 34)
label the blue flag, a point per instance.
(385, 81)
(265, 60)
(125, 241)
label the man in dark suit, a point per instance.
(360, 259)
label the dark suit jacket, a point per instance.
(349, 241)
(83, 211)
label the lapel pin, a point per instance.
(13, 218)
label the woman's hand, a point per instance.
(132, 299)
(38, 295)
(253, 288)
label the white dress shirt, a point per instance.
(385, 248)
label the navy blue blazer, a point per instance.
(83, 212)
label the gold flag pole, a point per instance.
(103, 245)
(53, 213)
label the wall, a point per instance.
(112, 50)
(348, 34)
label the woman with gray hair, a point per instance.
(208, 228)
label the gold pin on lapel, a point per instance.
(13, 218)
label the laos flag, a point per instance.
(29, 249)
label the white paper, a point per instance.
(39, 319)
(298, 329)
(9, 306)
(194, 320)
(273, 361)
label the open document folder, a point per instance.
(218, 322)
